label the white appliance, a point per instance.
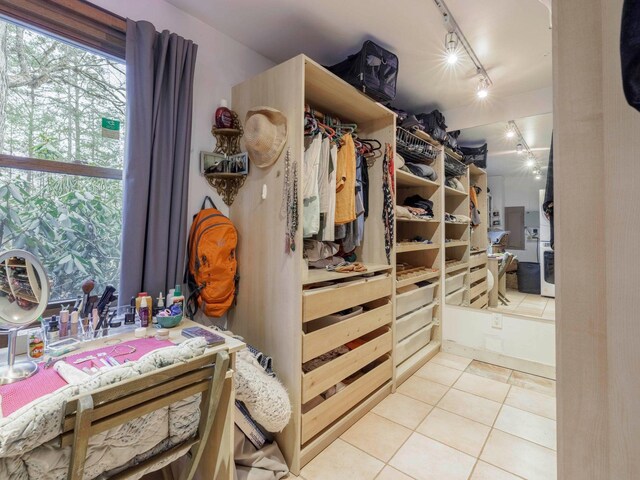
(547, 267)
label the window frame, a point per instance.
(88, 26)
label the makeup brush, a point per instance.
(87, 286)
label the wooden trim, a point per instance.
(74, 20)
(63, 168)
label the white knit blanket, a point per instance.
(28, 445)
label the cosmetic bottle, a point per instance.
(130, 316)
(177, 296)
(224, 119)
(143, 313)
(64, 323)
(53, 333)
(142, 295)
(74, 323)
(169, 300)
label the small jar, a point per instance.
(36, 346)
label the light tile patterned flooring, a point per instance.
(529, 305)
(455, 419)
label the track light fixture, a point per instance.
(483, 88)
(451, 47)
(456, 38)
(522, 147)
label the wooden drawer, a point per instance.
(480, 302)
(413, 322)
(329, 374)
(316, 420)
(477, 275)
(477, 260)
(410, 301)
(320, 302)
(478, 290)
(413, 343)
(327, 338)
(454, 282)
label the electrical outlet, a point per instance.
(496, 321)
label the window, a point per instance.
(61, 156)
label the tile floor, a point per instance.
(454, 419)
(530, 305)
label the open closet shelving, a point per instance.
(417, 304)
(478, 284)
(456, 242)
(282, 306)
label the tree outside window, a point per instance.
(60, 177)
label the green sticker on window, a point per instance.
(110, 128)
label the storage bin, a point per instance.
(529, 277)
(455, 298)
(413, 343)
(453, 283)
(407, 302)
(413, 321)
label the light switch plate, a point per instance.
(496, 321)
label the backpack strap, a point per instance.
(204, 203)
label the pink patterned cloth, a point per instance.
(45, 381)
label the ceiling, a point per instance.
(502, 158)
(511, 37)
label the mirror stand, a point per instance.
(14, 372)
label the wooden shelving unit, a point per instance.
(418, 342)
(478, 295)
(457, 234)
(282, 306)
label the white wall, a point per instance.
(521, 191)
(221, 63)
(525, 344)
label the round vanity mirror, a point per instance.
(24, 294)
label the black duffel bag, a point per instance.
(475, 155)
(452, 139)
(434, 124)
(373, 70)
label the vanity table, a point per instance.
(217, 462)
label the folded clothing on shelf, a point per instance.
(422, 170)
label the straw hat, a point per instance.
(265, 134)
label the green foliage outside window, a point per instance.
(53, 97)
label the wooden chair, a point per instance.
(117, 404)
(508, 260)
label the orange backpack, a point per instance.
(212, 270)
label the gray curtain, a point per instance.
(160, 69)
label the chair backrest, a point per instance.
(506, 261)
(117, 404)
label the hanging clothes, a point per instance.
(330, 217)
(474, 213)
(346, 182)
(388, 202)
(355, 230)
(327, 189)
(365, 185)
(310, 196)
